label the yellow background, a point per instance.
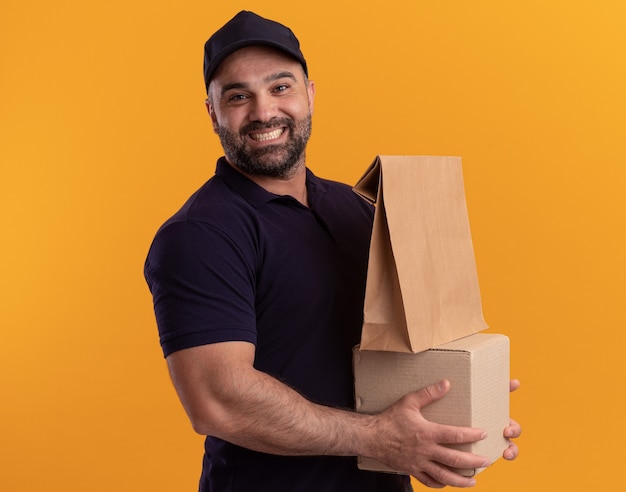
(103, 134)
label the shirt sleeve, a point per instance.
(202, 285)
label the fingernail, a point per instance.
(472, 483)
(483, 436)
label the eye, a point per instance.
(281, 88)
(236, 99)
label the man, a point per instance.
(258, 285)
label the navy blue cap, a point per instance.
(248, 29)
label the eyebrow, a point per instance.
(270, 78)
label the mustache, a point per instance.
(273, 123)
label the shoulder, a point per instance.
(215, 208)
(213, 223)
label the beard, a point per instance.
(276, 161)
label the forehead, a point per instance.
(254, 61)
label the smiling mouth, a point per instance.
(264, 137)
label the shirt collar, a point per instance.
(258, 196)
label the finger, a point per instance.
(431, 393)
(511, 452)
(427, 480)
(513, 430)
(514, 384)
(443, 475)
(459, 460)
(450, 434)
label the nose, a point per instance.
(263, 108)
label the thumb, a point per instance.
(432, 393)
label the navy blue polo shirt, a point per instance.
(237, 262)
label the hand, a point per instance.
(417, 446)
(512, 431)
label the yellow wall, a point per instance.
(103, 134)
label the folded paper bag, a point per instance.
(422, 285)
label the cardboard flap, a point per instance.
(422, 286)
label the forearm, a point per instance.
(239, 404)
(268, 416)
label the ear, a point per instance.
(211, 112)
(311, 93)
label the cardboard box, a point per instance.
(478, 370)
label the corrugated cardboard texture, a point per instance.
(476, 366)
(422, 285)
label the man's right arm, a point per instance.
(226, 397)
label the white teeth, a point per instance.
(262, 137)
